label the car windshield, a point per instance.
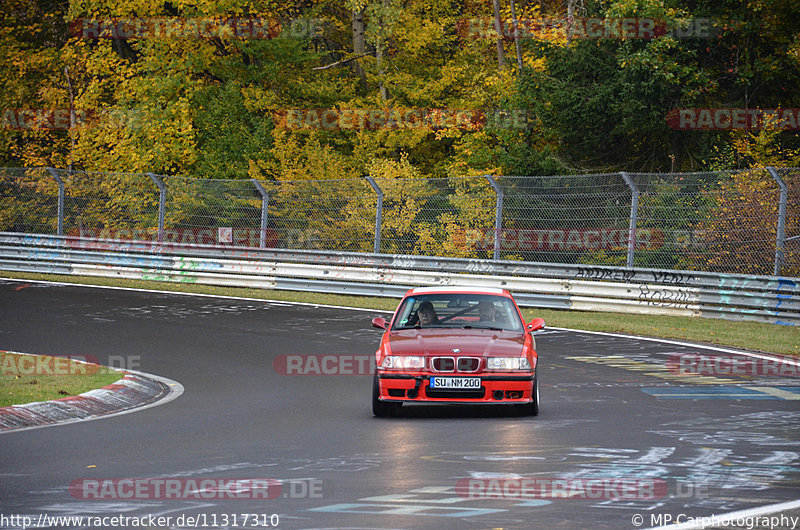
(458, 310)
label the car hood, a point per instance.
(475, 342)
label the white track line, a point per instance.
(136, 289)
(785, 358)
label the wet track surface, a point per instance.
(611, 410)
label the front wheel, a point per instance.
(531, 409)
(380, 408)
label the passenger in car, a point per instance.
(427, 314)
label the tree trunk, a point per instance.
(501, 56)
(71, 117)
(570, 18)
(516, 35)
(359, 46)
(379, 50)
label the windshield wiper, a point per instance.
(493, 328)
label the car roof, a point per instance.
(456, 289)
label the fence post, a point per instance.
(264, 211)
(378, 213)
(634, 214)
(162, 202)
(61, 193)
(780, 241)
(498, 215)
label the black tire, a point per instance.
(531, 409)
(381, 409)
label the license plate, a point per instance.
(456, 383)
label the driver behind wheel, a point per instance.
(487, 311)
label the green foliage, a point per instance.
(206, 106)
(211, 107)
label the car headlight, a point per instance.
(403, 362)
(508, 363)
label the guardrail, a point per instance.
(767, 299)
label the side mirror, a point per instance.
(536, 324)
(380, 323)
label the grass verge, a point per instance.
(748, 335)
(29, 378)
(770, 338)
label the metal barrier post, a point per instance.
(264, 211)
(634, 214)
(498, 215)
(162, 201)
(61, 193)
(780, 241)
(378, 213)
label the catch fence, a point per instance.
(745, 222)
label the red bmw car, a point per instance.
(456, 346)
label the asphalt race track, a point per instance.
(619, 434)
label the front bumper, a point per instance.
(496, 389)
